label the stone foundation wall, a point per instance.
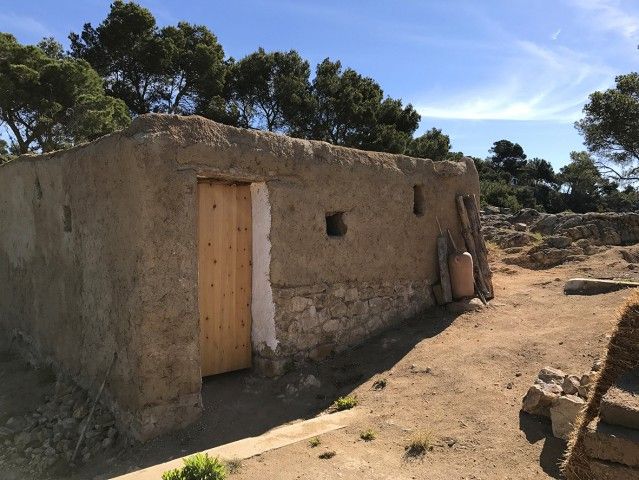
(315, 320)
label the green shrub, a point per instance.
(314, 442)
(345, 403)
(499, 195)
(198, 467)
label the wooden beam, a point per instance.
(470, 244)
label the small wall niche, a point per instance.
(66, 218)
(335, 224)
(419, 201)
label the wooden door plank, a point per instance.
(224, 262)
(243, 298)
(206, 278)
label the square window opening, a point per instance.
(335, 224)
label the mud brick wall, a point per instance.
(98, 253)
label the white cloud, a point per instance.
(11, 22)
(538, 83)
(608, 15)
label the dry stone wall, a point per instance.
(313, 321)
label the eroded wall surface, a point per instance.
(329, 292)
(101, 257)
(96, 258)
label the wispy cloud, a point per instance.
(609, 15)
(539, 83)
(555, 35)
(11, 22)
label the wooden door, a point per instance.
(224, 271)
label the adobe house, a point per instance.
(192, 248)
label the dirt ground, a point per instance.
(456, 378)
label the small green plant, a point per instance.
(419, 445)
(368, 435)
(380, 384)
(328, 454)
(233, 465)
(314, 442)
(198, 467)
(345, 403)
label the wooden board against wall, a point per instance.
(224, 283)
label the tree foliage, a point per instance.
(508, 157)
(611, 128)
(433, 144)
(176, 69)
(4, 151)
(181, 69)
(49, 101)
(349, 109)
(269, 90)
(508, 179)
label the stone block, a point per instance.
(612, 443)
(351, 294)
(551, 375)
(539, 398)
(375, 305)
(299, 304)
(309, 321)
(620, 404)
(612, 471)
(570, 385)
(331, 326)
(339, 291)
(358, 308)
(339, 310)
(563, 414)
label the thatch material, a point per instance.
(621, 356)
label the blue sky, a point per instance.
(480, 70)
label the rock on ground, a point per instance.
(563, 413)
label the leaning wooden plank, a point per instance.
(472, 209)
(470, 243)
(444, 273)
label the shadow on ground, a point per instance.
(537, 429)
(240, 404)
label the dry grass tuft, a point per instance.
(368, 435)
(419, 445)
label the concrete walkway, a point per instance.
(249, 447)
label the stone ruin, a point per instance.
(45, 440)
(540, 240)
(604, 445)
